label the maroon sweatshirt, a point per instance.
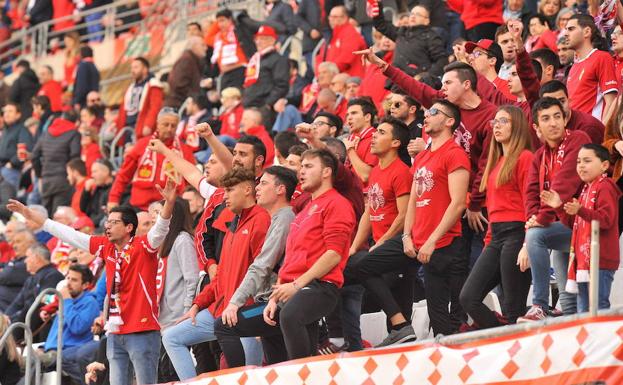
(565, 181)
(581, 121)
(475, 133)
(607, 213)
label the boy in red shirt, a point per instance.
(553, 168)
(598, 201)
(131, 264)
(432, 232)
(242, 243)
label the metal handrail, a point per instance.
(29, 351)
(59, 334)
(286, 44)
(315, 53)
(113, 147)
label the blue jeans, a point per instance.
(11, 176)
(605, 284)
(290, 117)
(178, 338)
(143, 349)
(540, 240)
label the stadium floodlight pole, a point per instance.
(594, 272)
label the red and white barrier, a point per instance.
(587, 351)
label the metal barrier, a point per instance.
(315, 53)
(29, 351)
(59, 334)
(116, 151)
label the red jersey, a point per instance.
(54, 91)
(326, 223)
(385, 186)
(230, 121)
(589, 80)
(363, 150)
(505, 203)
(243, 242)
(137, 292)
(433, 195)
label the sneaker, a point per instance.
(406, 334)
(327, 347)
(553, 312)
(536, 313)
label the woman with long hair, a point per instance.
(72, 57)
(10, 358)
(510, 158)
(178, 270)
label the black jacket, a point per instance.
(272, 83)
(87, 80)
(45, 278)
(416, 46)
(91, 203)
(52, 152)
(23, 89)
(308, 18)
(40, 12)
(12, 279)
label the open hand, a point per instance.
(572, 208)
(367, 54)
(551, 198)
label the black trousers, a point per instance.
(498, 265)
(482, 31)
(233, 78)
(296, 333)
(443, 278)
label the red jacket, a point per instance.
(476, 12)
(326, 223)
(143, 169)
(260, 132)
(565, 181)
(344, 41)
(54, 91)
(607, 213)
(150, 104)
(240, 247)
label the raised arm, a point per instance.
(218, 148)
(160, 229)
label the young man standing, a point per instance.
(311, 274)
(360, 117)
(553, 168)
(131, 265)
(242, 244)
(592, 82)
(432, 232)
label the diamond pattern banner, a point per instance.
(586, 351)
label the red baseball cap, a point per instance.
(482, 43)
(84, 223)
(266, 30)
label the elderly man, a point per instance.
(185, 75)
(14, 274)
(145, 169)
(266, 78)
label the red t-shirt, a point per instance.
(505, 203)
(589, 80)
(326, 223)
(386, 185)
(431, 187)
(139, 309)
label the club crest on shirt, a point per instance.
(376, 200)
(423, 181)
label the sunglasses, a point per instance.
(434, 111)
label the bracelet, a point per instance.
(406, 235)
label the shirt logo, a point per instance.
(245, 231)
(376, 200)
(423, 181)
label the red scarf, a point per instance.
(580, 251)
(161, 276)
(114, 301)
(225, 49)
(253, 67)
(148, 166)
(372, 8)
(550, 163)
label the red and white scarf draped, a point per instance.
(148, 166)
(225, 48)
(253, 67)
(580, 251)
(114, 320)
(551, 162)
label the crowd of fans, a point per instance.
(249, 206)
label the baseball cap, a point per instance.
(266, 30)
(491, 47)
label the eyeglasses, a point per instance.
(434, 111)
(319, 123)
(112, 222)
(495, 122)
(476, 54)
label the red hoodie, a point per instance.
(60, 126)
(54, 91)
(565, 181)
(240, 247)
